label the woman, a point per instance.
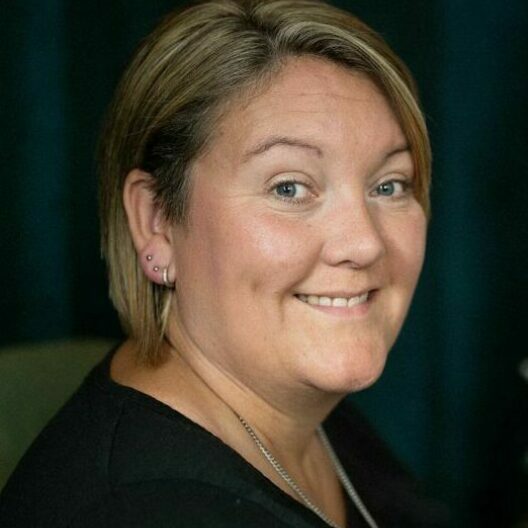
(264, 195)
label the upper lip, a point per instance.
(338, 294)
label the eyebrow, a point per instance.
(275, 141)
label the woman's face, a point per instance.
(305, 241)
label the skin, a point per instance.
(305, 189)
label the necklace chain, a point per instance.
(345, 481)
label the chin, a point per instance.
(352, 374)
(356, 381)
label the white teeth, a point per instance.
(353, 301)
(340, 302)
(325, 301)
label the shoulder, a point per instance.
(116, 457)
(105, 438)
(170, 503)
(66, 462)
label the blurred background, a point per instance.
(452, 402)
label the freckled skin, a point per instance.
(247, 251)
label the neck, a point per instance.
(284, 418)
(285, 421)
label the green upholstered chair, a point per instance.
(35, 380)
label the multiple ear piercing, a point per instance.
(164, 273)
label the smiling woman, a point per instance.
(308, 213)
(264, 183)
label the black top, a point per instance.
(115, 457)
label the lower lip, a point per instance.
(344, 311)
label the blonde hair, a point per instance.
(174, 90)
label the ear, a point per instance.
(149, 230)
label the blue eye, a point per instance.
(291, 192)
(286, 189)
(393, 187)
(386, 188)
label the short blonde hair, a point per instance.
(172, 93)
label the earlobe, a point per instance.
(153, 269)
(149, 231)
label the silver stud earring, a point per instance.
(149, 257)
(156, 268)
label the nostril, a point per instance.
(356, 245)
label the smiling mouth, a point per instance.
(337, 302)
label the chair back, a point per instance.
(35, 381)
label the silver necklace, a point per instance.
(345, 481)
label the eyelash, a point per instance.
(406, 188)
(292, 200)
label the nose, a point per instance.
(353, 236)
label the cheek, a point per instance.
(415, 244)
(258, 249)
(406, 241)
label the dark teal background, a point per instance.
(451, 402)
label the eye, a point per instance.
(291, 190)
(393, 188)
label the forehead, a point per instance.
(314, 100)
